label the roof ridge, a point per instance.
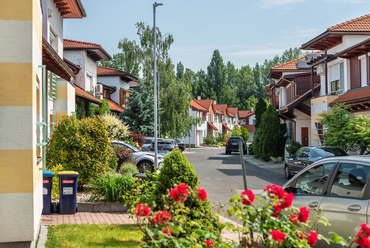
(332, 28)
(83, 42)
(294, 60)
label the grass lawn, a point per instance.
(92, 235)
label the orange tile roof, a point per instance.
(291, 65)
(245, 113)
(195, 105)
(81, 93)
(353, 96)
(360, 24)
(221, 107)
(212, 126)
(232, 111)
(225, 126)
(70, 8)
(250, 128)
(114, 106)
(106, 71)
(207, 103)
(89, 46)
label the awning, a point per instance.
(358, 98)
(225, 126)
(212, 126)
(81, 93)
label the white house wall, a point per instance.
(114, 82)
(55, 22)
(78, 58)
(302, 120)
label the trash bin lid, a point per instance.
(68, 173)
(48, 173)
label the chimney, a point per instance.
(214, 102)
(252, 109)
(199, 98)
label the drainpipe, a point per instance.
(43, 123)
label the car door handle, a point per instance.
(354, 208)
(313, 204)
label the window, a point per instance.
(312, 182)
(53, 40)
(350, 180)
(335, 87)
(88, 83)
(52, 85)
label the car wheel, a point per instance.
(145, 165)
(287, 172)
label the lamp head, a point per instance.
(157, 4)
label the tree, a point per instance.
(245, 134)
(236, 132)
(217, 75)
(139, 114)
(260, 109)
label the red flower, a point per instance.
(312, 238)
(287, 201)
(209, 243)
(274, 190)
(180, 192)
(167, 230)
(300, 235)
(362, 235)
(202, 194)
(162, 217)
(249, 199)
(137, 142)
(142, 210)
(293, 218)
(277, 235)
(303, 214)
(277, 210)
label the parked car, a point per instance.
(143, 160)
(174, 143)
(338, 187)
(164, 147)
(145, 147)
(307, 155)
(180, 144)
(232, 144)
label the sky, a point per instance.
(245, 32)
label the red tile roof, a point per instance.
(245, 113)
(106, 71)
(291, 65)
(81, 93)
(221, 107)
(70, 8)
(360, 24)
(197, 106)
(232, 112)
(114, 106)
(250, 128)
(205, 103)
(225, 126)
(212, 126)
(96, 51)
(353, 96)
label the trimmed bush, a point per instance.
(270, 133)
(245, 134)
(124, 155)
(128, 169)
(115, 127)
(82, 146)
(293, 147)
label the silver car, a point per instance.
(143, 160)
(338, 187)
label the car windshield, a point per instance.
(330, 152)
(235, 139)
(165, 145)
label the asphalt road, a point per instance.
(220, 174)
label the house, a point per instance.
(84, 56)
(232, 117)
(291, 95)
(247, 120)
(344, 70)
(209, 116)
(118, 80)
(223, 113)
(39, 88)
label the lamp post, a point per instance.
(155, 5)
(159, 106)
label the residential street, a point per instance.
(221, 174)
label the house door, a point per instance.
(304, 135)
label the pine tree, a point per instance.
(139, 114)
(270, 134)
(260, 109)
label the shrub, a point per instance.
(208, 140)
(55, 187)
(293, 147)
(220, 138)
(177, 170)
(82, 146)
(115, 127)
(138, 137)
(226, 137)
(250, 149)
(245, 134)
(124, 155)
(236, 132)
(111, 187)
(128, 169)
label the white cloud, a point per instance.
(349, 1)
(272, 3)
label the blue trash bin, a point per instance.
(67, 192)
(47, 182)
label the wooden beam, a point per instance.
(326, 74)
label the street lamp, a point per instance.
(159, 106)
(155, 85)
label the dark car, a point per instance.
(164, 147)
(232, 145)
(181, 145)
(307, 155)
(149, 140)
(337, 188)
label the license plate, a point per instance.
(234, 144)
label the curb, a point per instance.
(95, 207)
(42, 237)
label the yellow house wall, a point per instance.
(20, 175)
